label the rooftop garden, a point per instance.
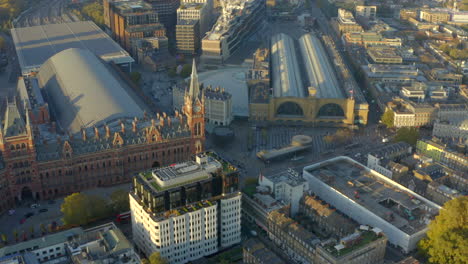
(188, 208)
(227, 167)
(366, 238)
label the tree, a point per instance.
(15, 234)
(145, 261)
(120, 201)
(186, 70)
(156, 258)
(135, 77)
(447, 237)
(4, 239)
(387, 118)
(74, 209)
(409, 135)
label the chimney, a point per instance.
(157, 115)
(176, 113)
(164, 114)
(96, 132)
(122, 126)
(83, 134)
(169, 121)
(108, 134)
(153, 122)
(134, 126)
(145, 115)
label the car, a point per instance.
(22, 221)
(29, 214)
(43, 210)
(11, 212)
(33, 206)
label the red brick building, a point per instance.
(92, 142)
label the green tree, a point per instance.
(120, 201)
(98, 207)
(135, 77)
(145, 261)
(172, 72)
(156, 258)
(387, 118)
(409, 135)
(447, 237)
(95, 11)
(4, 239)
(74, 209)
(186, 70)
(15, 234)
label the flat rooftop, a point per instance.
(34, 45)
(383, 197)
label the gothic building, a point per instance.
(76, 126)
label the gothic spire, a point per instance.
(194, 90)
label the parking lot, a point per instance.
(26, 220)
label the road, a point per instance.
(45, 12)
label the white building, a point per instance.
(366, 11)
(94, 245)
(452, 122)
(183, 213)
(286, 186)
(218, 106)
(372, 199)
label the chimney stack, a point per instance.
(83, 134)
(134, 126)
(108, 134)
(153, 122)
(161, 121)
(169, 121)
(96, 132)
(122, 126)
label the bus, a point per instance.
(123, 217)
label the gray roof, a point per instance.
(14, 124)
(287, 80)
(320, 72)
(35, 45)
(85, 93)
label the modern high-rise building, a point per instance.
(187, 210)
(133, 19)
(167, 11)
(239, 19)
(188, 36)
(200, 11)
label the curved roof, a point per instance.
(319, 70)
(83, 92)
(287, 80)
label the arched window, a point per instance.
(23, 146)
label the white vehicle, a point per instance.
(34, 206)
(385, 140)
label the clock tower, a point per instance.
(194, 109)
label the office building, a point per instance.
(372, 199)
(239, 19)
(444, 76)
(434, 15)
(188, 37)
(411, 114)
(218, 106)
(369, 39)
(104, 243)
(391, 73)
(196, 10)
(187, 210)
(166, 10)
(286, 186)
(346, 22)
(257, 207)
(133, 19)
(103, 131)
(385, 55)
(369, 12)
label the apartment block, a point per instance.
(188, 37)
